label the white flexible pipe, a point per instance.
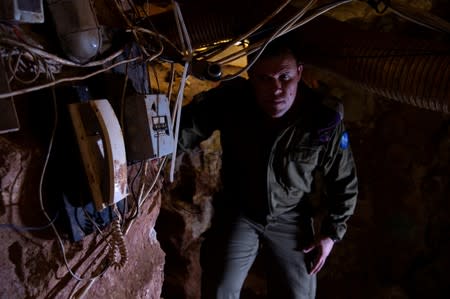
(178, 105)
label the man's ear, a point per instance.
(299, 72)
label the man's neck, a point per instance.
(289, 117)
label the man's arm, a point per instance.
(341, 190)
(207, 113)
(341, 185)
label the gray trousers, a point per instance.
(228, 254)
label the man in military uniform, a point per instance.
(276, 136)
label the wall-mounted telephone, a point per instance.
(102, 148)
(148, 127)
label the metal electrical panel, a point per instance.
(148, 127)
(23, 11)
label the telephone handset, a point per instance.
(102, 148)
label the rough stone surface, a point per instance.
(186, 213)
(397, 243)
(32, 263)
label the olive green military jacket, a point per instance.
(278, 164)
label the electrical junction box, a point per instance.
(148, 127)
(84, 219)
(23, 11)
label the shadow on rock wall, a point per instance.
(398, 239)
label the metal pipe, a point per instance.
(409, 70)
(412, 71)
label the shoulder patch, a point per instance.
(326, 121)
(325, 115)
(344, 142)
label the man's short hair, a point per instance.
(277, 47)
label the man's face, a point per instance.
(274, 80)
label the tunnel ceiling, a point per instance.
(376, 40)
(399, 51)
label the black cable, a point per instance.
(135, 198)
(122, 211)
(28, 228)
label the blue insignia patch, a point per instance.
(344, 141)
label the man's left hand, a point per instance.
(322, 248)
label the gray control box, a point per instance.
(148, 127)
